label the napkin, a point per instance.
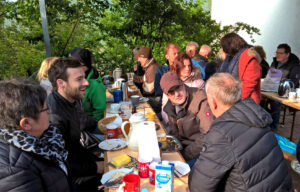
(148, 144)
(117, 121)
(272, 80)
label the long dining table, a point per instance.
(285, 101)
(180, 184)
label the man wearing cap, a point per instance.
(149, 65)
(189, 114)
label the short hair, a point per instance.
(191, 45)
(260, 50)
(286, 47)
(84, 56)
(178, 63)
(170, 46)
(224, 87)
(205, 49)
(18, 99)
(232, 43)
(59, 70)
(46, 64)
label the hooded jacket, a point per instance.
(189, 125)
(240, 153)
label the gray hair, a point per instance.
(225, 88)
(191, 45)
(205, 50)
(18, 99)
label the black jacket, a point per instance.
(69, 118)
(290, 70)
(240, 153)
(24, 171)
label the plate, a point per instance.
(112, 144)
(107, 176)
(269, 90)
(144, 99)
(181, 168)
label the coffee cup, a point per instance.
(130, 183)
(143, 168)
(135, 99)
(112, 131)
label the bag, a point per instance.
(89, 141)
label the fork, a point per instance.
(116, 147)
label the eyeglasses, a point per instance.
(279, 53)
(46, 109)
(173, 90)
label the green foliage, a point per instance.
(110, 29)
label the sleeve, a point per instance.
(250, 78)
(98, 99)
(20, 179)
(157, 89)
(138, 79)
(295, 75)
(215, 160)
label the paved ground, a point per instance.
(284, 130)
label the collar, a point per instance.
(149, 63)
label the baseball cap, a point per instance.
(145, 52)
(169, 80)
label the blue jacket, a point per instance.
(160, 71)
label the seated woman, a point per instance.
(94, 102)
(32, 154)
(43, 73)
(190, 75)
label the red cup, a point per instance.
(112, 132)
(152, 172)
(143, 168)
(131, 183)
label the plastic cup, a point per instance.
(118, 96)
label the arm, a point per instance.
(213, 163)
(138, 79)
(250, 77)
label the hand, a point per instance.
(100, 167)
(135, 67)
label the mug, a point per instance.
(112, 131)
(131, 183)
(135, 99)
(143, 168)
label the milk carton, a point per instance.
(164, 177)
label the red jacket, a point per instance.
(250, 74)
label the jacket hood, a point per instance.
(246, 112)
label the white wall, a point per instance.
(278, 21)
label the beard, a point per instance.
(74, 93)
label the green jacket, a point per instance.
(94, 102)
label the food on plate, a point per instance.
(120, 160)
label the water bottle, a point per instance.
(124, 89)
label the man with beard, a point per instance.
(68, 80)
(189, 114)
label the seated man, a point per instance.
(68, 80)
(288, 64)
(240, 153)
(189, 114)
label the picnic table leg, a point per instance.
(292, 130)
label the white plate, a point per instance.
(111, 144)
(107, 176)
(182, 168)
(144, 99)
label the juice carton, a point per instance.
(164, 177)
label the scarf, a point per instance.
(50, 145)
(231, 65)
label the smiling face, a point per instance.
(186, 70)
(74, 88)
(281, 55)
(177, 95)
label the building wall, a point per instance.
(278, 21)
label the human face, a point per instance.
(74, 88)
(39, 125)
(186, 70)
(281, 56)
(177, 95)
(172, 54)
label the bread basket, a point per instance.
(103, 122)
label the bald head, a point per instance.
(191, 48)
(205, 51)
